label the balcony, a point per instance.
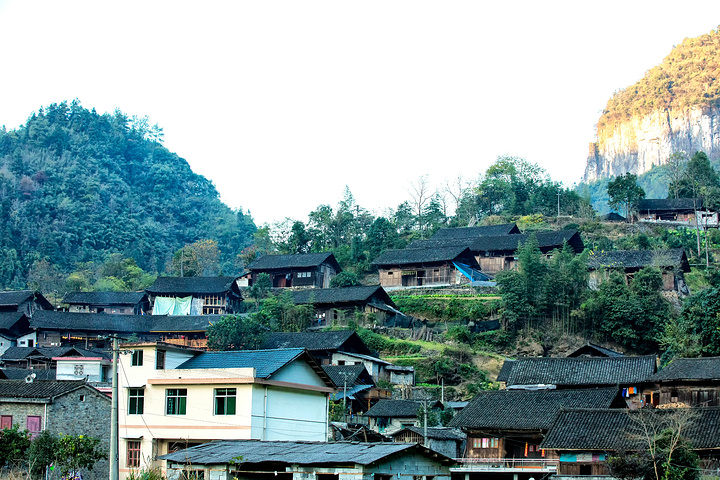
(505, 465)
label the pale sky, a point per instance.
(283, 103)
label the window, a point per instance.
(31, 343)
(225, 401)
(485, 442)
(5, 422)
(160, 360)
(137, 358)
(82, 398)
(133, 453)
(303, 274)
(175, 401)
(136, 401)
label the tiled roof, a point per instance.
(104, 298)
(619, 429)
(638, 259)
(437, 433)
(14, 323)
(592, 350)
(190, 285)
(103, 322)
(529, 409)
(473, 232)
(318, 296)
(422, 255)
(301, 260)
(38, 389)
(265, 362)
(398, 408)
(546, 241)
(16, 297)
(346, 340)
(300, 453)
(353, 374)
(505, 370)
(22, 353)
(705, 368)
(668, 204)
(22, 373)
(582, 371)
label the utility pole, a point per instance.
(558, 194)
(425, 420)
(114, 454)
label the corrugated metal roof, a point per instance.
(265, 362)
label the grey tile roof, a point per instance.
(547, 241)
(705, 368)
(301, 260)
(21, 373)
(319, 296)
(668, 204)
(354, 374)
(636, 259)
(13, 298)
(410, 256)
(14, 323)
(590, 349)
(437, 433)
(301, 453)
(38, 389)
(23, 353)
(345, 340)
(529, 409)
(582, 371)
(615, 429)
(505, 370)
(473, 232)
(398, 408)
(104, 298)
(190, 285)
(103, 322)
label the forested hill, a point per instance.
(76, 186)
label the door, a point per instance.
(33, 425)
(5, 422)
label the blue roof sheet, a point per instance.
(265, 362)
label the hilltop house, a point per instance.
(246, 460)
(356, 386)
(448, 441)
(175, 397)
(507, 426)
(123, 303)
(68, 407)
(13, 326)
(417, 267)
(298, 270)
(583, 439)
(24, 301)
(626, 374)
(390, 416)
(673, 264)
(677, 211)
(693, 382)
(336, 306)
(194, 296)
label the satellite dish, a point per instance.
(30, 378)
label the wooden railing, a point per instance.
(185, 342)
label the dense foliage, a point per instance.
(76, 186)
(686, 77)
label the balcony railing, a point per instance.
(504, 464)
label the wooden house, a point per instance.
(24, 301)
(626, 374)
(683, 211)
(390, 416)
(506, 427)
(672, 263)
(13, 326)
(299, 270)
(694, 382)
(121, 303)
(42, 358)
(494, 253)
(583, 439)
(356, 386)
(448, 441)
(417, 267)
(336, 306)
(248, 459)
(194, 296)
(475, 232)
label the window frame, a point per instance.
(160, 356)
(176, 401)
(139, 403)
(225, 399)
(133, 448)
(137, 358)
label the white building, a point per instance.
(173, 398)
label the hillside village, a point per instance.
(273, 403)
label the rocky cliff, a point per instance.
(675, 107)
(642, 141)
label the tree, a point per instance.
(260, 289)
(624, 191)
(345, 279)
(676, 165)
(661, 451)
(13, 446)
(235, 332)
(420, 194)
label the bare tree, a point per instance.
(420, 193)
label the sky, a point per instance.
(283, 104)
